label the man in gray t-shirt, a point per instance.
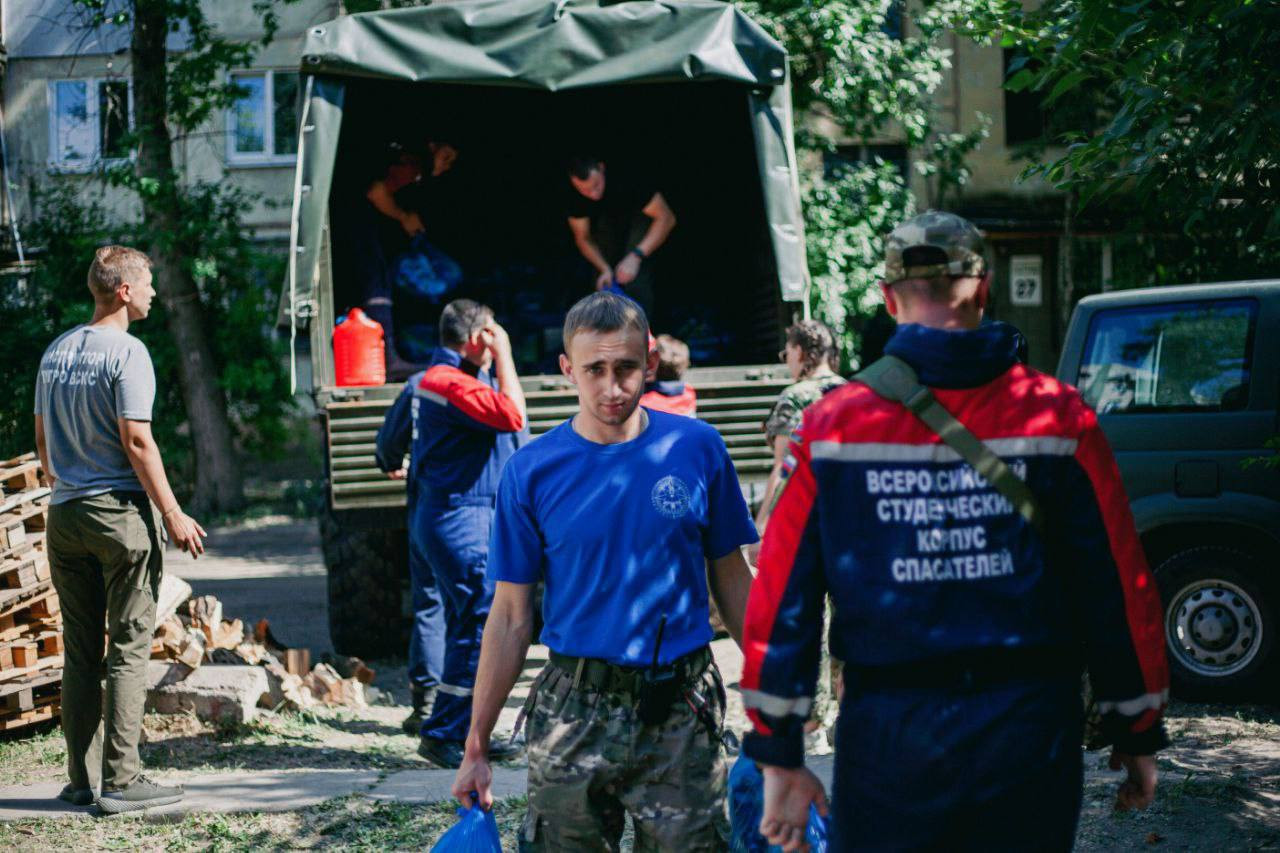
(89, 378)
(111, 496)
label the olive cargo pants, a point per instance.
(106, 556)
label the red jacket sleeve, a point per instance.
(1118, 602)
(477, 404)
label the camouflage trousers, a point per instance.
(591, 761)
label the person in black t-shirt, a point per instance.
(618, 221)
(399, 185)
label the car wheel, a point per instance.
(1219, 623)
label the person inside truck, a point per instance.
(618, 218)
(400, 187)
(667, 391)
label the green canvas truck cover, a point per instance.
(549, 45)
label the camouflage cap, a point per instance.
(959, 248)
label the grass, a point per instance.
(347, 823)
(312, 740)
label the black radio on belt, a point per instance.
(660, 687)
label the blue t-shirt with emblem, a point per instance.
(621, 534)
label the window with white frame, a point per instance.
(89, 122)
(262, 126)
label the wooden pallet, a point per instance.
(18, 695)
(30, 496)
(25, 568)
(23, 525)
(22, 609)
(47, 708)
(41, 664)
(20, 477)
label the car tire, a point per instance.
(367, 570)
(1219, 623)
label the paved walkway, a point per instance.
(280, 791)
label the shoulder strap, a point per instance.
(894, 379)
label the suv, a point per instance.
(1185, 381)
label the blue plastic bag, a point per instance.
(475, 832)
(426, 272)
(746, 807)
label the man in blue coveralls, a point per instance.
(468, 418)
(426, 638)
(633, 518)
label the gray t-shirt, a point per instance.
(89, 378)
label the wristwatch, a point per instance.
(639, 253)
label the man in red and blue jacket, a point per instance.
(964, 630)
(468, 415)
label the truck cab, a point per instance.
(1186, 382)
(691, 91)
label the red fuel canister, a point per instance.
(359, 351)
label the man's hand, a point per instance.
(627, 269)
(474, 775)
(185, 532)
(1139, 788)
(604, 279)
(412, 224)
(399, 473)
(787, 795)
(498, 342)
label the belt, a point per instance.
(614, 678)
(981, 668)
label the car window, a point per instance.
(1171, 357)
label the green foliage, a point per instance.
(238, 286)
(849, 68)
(846, 219)
(35, 308)
(1186, 141)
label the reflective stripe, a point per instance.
(438, 399)
(453, 689)
(777, 706)
(1133, 707)
(1038, 445)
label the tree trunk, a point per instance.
(218, 486)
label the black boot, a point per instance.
(421, 701)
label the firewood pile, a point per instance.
(30, 621)
(192, 631)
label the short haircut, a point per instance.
(461, 319)
(940, 288)
(817, 345)
(604, 312)
(581, 165)
(673, 358)
(113, 266)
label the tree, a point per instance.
(173, 96)
(872, 68)
(1185, 141)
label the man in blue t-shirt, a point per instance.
(619, 511)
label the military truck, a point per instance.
(1186, 382)
(693, 90)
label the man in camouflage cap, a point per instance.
(964, 606)
(933, 244)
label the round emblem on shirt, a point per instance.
(671, 497)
